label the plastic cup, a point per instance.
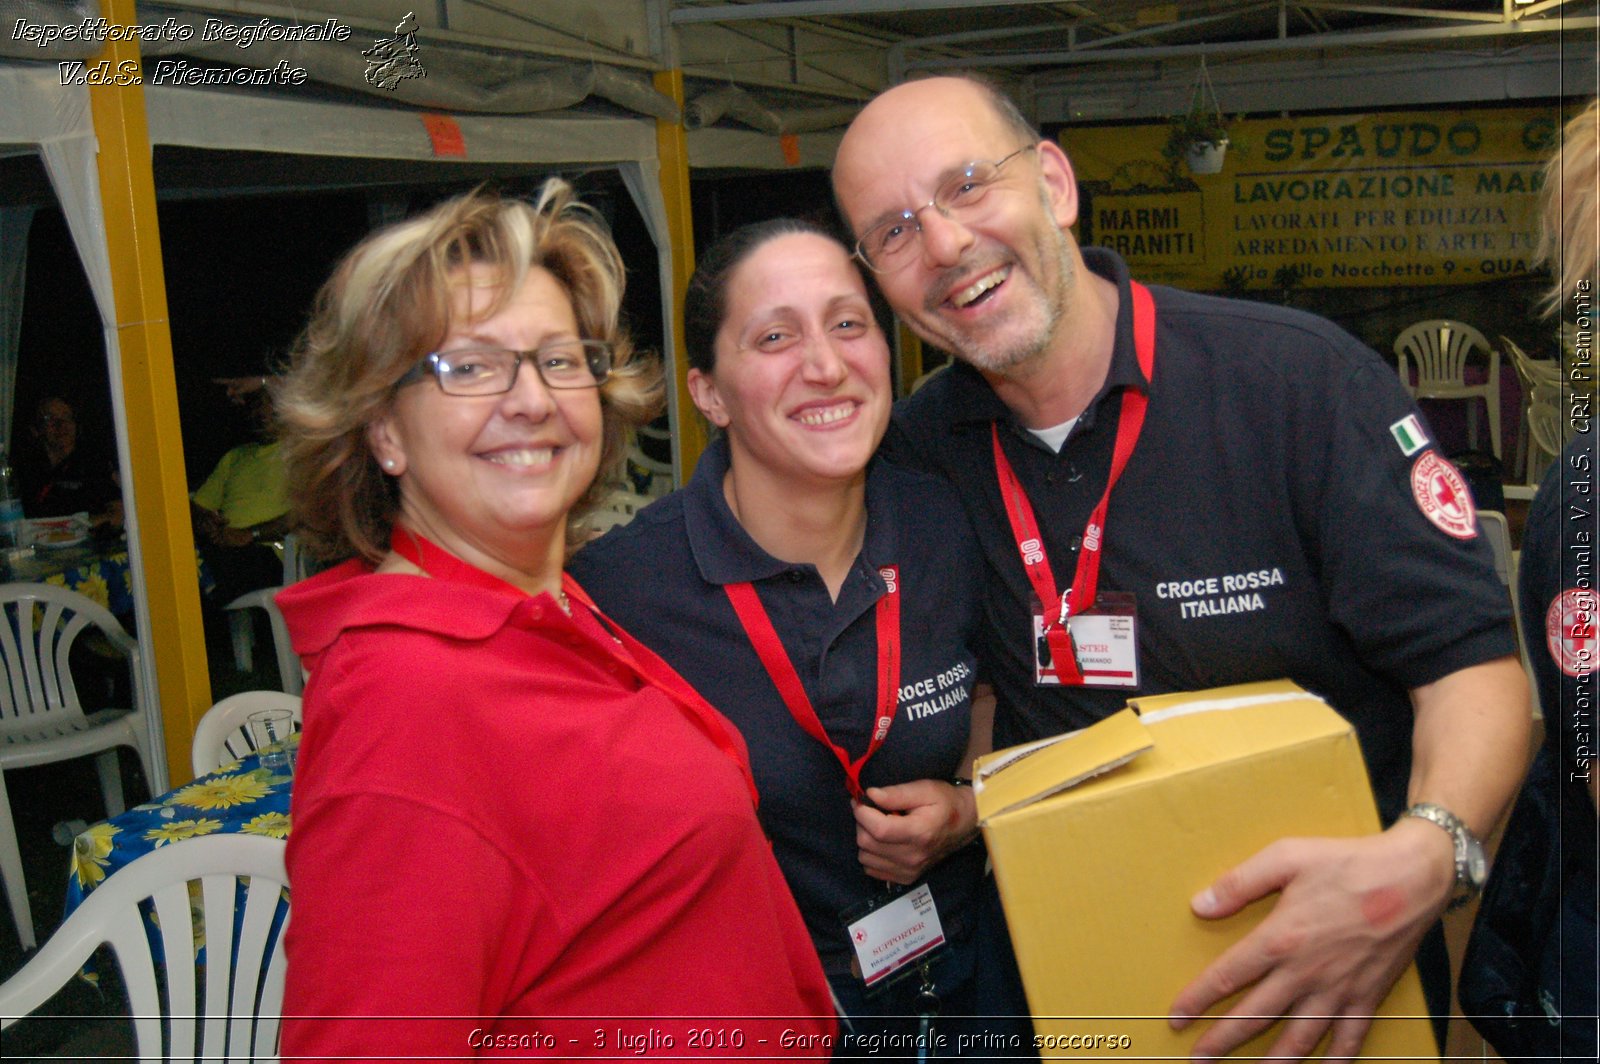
(270, 731)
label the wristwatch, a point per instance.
(1472, 866)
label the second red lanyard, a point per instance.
(1025, 526)
(769, 648)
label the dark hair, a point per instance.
(705, 302)
(67, 401)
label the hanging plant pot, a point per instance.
(1197, 138)
(1205, 157)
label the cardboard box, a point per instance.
(1099, 839)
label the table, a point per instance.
(101, 573)
(241, 797)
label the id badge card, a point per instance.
(1104, 640)
(894, 935)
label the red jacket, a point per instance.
(495, 818)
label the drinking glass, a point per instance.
(270, 730)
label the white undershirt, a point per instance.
(1056, 435)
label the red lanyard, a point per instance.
(769, 648)
(1025, 527)
(649, 666)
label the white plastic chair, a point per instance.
(1440, 347)
(223, 734)
(1532, 373)
(660, 482)
(41, 717)
(241, 630)
(1549, 429)
(618, 508)
(11, 872)
(224, 1009)
(297, 565)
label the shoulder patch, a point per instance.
(1569, 631)
(1409, 434)
(1443, 496)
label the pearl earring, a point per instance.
(388, 463)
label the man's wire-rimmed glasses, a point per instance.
(888, 244)
(561, 364)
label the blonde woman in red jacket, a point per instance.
(515, 829)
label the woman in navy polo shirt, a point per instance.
(790, 584)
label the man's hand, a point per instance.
(207, 523)
(1346, 925)
(912, 829)
(227, 536)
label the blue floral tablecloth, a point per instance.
(241, 797)
(103, 576)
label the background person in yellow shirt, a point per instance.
(240, 510)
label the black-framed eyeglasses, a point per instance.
(493, 370)
(888, 245)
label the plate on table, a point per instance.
(58, 538)
(54, 533)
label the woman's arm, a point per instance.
(916, 824)
(399, 915)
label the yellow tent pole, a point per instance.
(174, 640)
(672, 150)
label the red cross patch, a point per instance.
(1443, 496)
(1569, 631)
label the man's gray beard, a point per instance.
(1030, 348)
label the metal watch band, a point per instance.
(1468, 850)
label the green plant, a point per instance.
(1202, 125)
(1236, 280)
(1194, 127)
(1288, 277)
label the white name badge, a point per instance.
(1106, 642)
(896, 934)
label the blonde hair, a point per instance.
(389, 303)
(1568, 238)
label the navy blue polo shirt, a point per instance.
(661, 577)
(1267, 523)
(1558, 590)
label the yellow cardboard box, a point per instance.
(1099, 839)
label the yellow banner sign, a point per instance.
(1413, 198)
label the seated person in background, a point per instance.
(242, 507)
(57, 476)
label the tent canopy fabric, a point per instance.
(44, 116)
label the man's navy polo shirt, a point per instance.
(661, 577)
(1266, 523)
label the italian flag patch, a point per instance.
(1408, 433)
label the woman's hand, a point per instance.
(913, 827)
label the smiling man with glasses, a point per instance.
(1218, 492)
(889, 244)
